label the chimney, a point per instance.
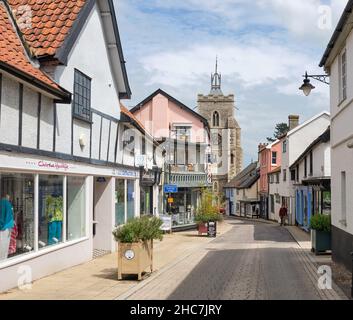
(262, 146)
(293, 121)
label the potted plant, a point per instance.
(320, 225)
(206, 212)
(135, 245)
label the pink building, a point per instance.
(270, 158)
(185, 135)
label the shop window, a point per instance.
(130, 199)
(16, 215)
(76, 208)
(82, 96)
(51, 210)
(146, 200)
(119, 202)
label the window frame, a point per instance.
(274, 156)
(88, 99)
(343, 76)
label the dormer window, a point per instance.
(82, 96)
(216, 119)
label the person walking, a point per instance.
(283, 212)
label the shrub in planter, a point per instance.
(320, 225)
(207, 211)
(135, 244)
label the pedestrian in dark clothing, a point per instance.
(283, 212)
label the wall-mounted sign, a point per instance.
(170, 188)
(170, 200)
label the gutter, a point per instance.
(346, 13)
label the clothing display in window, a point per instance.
(6, 224)
(6, 215)
(13, 240)
(55, 216)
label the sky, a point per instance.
(263, 47)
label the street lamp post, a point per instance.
(307, 87)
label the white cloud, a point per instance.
(254, 62)
(264, 47)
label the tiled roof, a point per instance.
(13, 55)
(246, 178)
(51, 22)
(126, 112)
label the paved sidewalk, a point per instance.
(301, 237)
(98, 279)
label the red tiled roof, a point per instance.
(51, 22)
(126, 111)
(12, 52)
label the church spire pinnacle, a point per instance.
(216, 81)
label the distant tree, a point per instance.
(280, 130)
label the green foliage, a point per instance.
(208, 209)
(321, 222)
(139, 229)
(280, 130)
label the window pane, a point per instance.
(16, 215)
(76, 208)
(130, 199)
(51, 213)
(119, 202)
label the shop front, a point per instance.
(183, 207)
(47, 212)
(149, 191)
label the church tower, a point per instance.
(227, 152)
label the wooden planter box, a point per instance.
(134, 258)
(320, 241)
(202, 227)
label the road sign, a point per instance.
(170, 188)
(170, 200)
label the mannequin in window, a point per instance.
(6, 225)
(54, 216)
